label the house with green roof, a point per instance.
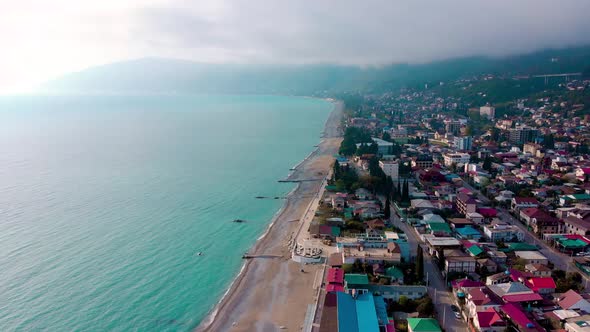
(395, 275)
(521, 246)
(438, 229)
(356, 279)
(423, 325)
(475, 251)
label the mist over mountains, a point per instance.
(157, 75)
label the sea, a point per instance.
(107, 201)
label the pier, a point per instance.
(250, 256)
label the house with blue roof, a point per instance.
(361, 313)
(468, 233)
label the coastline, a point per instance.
(249, 302)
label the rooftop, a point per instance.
(356, 279)
(529, 255)
(423, 324)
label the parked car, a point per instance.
(456, 311)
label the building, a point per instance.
(571, 300)
(423, 161)
(577, 324)
(532, 148)
(542, 285)
(489, 320)
(500, 231)
(538, 270)
(362, 312)
(519, 203)
(383, 147)
(488, 112)
(390, 168)
(522, 134)
(466, 203)
(436, 245)
(532, 257)
(578, 226)
(459, 264)
(463, 143)
(452, 127)
(392, 292)
(540, 221)
(455, 158)
(423, 325)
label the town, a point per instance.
(459, 206)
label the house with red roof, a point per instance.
(335, 280)
(542, 285)
(540, 221)
(489, 321)
(481, 299)
(583, 174)
(515, 314)
(519, 203)
(487, 212)
(571, 300)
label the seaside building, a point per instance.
(383, 147)
(354, 313)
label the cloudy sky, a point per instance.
(43, 39)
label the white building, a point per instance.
(455, 158)
(487, 111)
(390, 168)
(499, 231)
(532, 257)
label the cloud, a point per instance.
(42, 39)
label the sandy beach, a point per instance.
(272, 293)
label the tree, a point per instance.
(405, 193)
(425, 307)
(419, 263)
(386, 137)
(487, 163)
(404, 302)
(387, 212)
(549, 141)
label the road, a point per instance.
(559, 260)
(442, 298)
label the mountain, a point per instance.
(168, 75)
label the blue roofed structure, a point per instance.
(347, 321)
(365, 313)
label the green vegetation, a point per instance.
(565, 282)
(344, 178)
(424, 306)
(353, 136)
(420, 263)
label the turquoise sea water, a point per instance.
(104, 202)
